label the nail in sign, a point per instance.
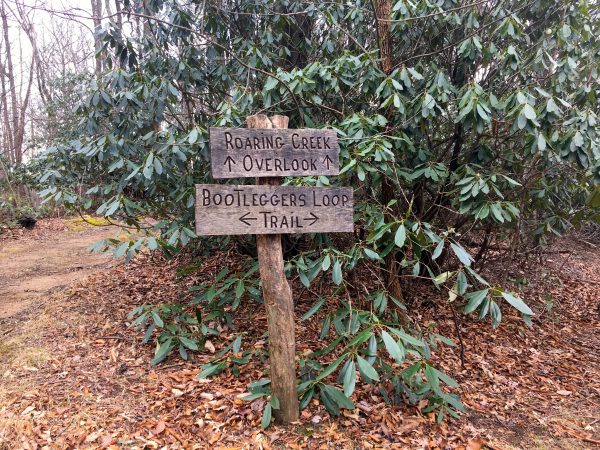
(255, 152)
(228, 209)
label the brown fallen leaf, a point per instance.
(475, 444)
(160, 427)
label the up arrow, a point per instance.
(328, 161)
(312, 219)
(230, 160)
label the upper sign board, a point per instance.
(265, 152)
(228, 209)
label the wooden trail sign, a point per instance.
(268, 150)
(238, 152)
(228, 209)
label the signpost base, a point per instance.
(279, 304)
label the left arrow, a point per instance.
(245, 219)
(229, 160)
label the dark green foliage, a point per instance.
(486, 129)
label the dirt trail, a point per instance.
(41, 262)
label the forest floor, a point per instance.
(73, 375)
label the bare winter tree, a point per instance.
(14, 101)
(97, 19)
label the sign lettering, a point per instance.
(227, 209)
(239, 152)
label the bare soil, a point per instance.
(36, 263)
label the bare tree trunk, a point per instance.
(118, 8)
(383, 13)
(12, 91)
(97, 19)
(108, 8)
(20, 132)
(29, 30)
(7, 135)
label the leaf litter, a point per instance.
(95, 386)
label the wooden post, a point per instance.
(277, 296)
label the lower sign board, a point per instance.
(227, 209)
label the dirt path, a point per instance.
(43, 261)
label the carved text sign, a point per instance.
(238, 152)
(228, 209)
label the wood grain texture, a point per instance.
(279, 304)
(240, 152)
(232, 209)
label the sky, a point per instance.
(49, 21)
(74, 14)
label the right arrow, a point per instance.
(230, 160)
(328, 161)
(312, 219)
(245, 219)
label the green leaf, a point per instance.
(521, 121)
(271, 83)
(336, 274)
(259, 383)
(433, 380)
(367, 369)
(330, 404)
(461, 254)
(445, 378)
(314, 308)
(266, 417)
(236, 344)
(240, 288)
(350, 378)
(326, 263)
(372, 255)
(152, 243)
(475, 299)
(157, 320)
(541, 142)
(307, 397)
(400, 237)
(275, 402)
(253, 396)
(211, 369)
(192, 345)
(408, 338)
(224, 271)
(517, 303)
(361, 337)
(392, 347)
(331, 368)
(438, 250)
(121, 249)
(442, 277)
(303, 278)
(337, 396)
(193, 136)
(461, 283)
(162, 351)
(529, 112)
